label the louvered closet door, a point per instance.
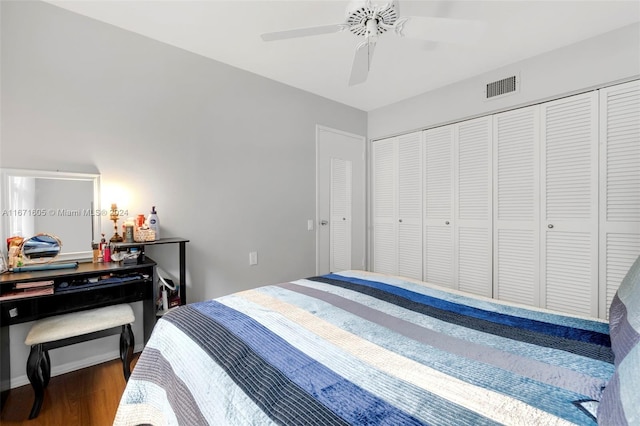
(473, 207)
(516, 206)
(384, 155)
(438, 203)
(619, 186)
(569, 205)
(341, 219)
(410, 205)
(397, 205)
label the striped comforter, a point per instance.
(363, 348)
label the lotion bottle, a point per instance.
(153, 222)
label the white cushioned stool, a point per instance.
(68, 329)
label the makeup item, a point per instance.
(96, 252)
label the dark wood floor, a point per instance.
(87, 397)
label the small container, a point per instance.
(107, 254)
(96, 252)
(128, 233)
(140, 220)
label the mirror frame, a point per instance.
(7, 173)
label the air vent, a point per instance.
(501, 87)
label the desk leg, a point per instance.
(5, 364)
(149, 307)
(183, 273)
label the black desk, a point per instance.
(16, 311)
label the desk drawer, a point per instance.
(22, 310)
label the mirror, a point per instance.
(41, 248)
(63, 204)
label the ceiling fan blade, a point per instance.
(442, 8)
(361, 63)
(461, 31)
(302, 32)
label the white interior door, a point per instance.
(409, 205)
(339, 154)
(569, 205)
(473, 207)
(340, 206)
(619, 186)
(385, 225)
(516, 210)
(438, 206)
(397, 205)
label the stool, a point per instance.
(68, 329)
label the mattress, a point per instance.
(359, 348)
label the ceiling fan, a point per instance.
(370, 19)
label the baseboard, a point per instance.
(73, 366)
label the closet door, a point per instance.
(569, 205)
(619, 186)
(397, 205)
(385, 226)
(438, 202)
(516, 206)
(473, 207)
(410, 205)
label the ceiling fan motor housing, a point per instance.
(359, 13)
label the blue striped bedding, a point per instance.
(365, 349)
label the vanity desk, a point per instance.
(90, 285)
(65, 206)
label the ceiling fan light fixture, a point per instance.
(372, 28)
(361, 15)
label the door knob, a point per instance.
(550, 226)
(324, 222)
(446, 222)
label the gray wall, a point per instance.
(227, 157)
(601, 60)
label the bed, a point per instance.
(367, 349)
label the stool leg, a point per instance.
(46, 368)
(127, 342)
(35, 375)
(122, 343)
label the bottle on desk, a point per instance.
(96, 251)
(153, 222)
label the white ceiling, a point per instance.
(229, 31)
